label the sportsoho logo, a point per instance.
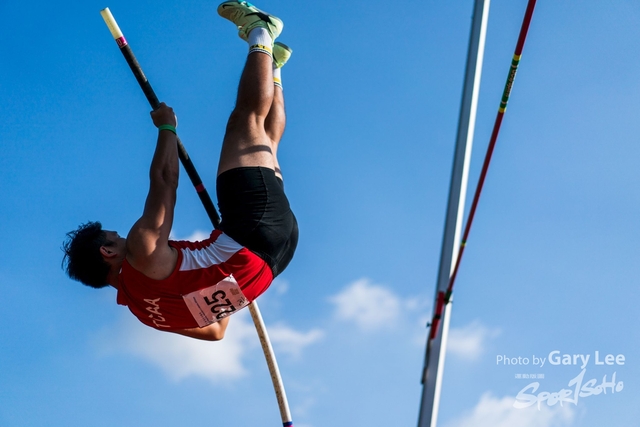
(577, 387)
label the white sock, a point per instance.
(277, 76)
(260, 41)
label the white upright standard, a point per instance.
(436, 347)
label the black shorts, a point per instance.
(255, 212)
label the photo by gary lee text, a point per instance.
(557, 358)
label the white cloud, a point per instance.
(180, 357)
(290, 341)
(281, 286)
(417, 303)
(468, 342)
(495, 412)
(303, 407)
(196, 236)
(368, 305)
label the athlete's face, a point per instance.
(118, 243)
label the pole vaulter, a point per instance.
(204, 196)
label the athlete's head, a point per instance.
(83, 258)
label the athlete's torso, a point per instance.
(160, 303)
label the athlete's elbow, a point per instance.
(215, 331)
(216, 336)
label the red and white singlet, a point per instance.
(205, 268)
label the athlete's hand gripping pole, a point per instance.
(272, 364)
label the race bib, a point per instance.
(216, 302)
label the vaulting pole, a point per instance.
(155, 103)
(436, 344)
(272, 364)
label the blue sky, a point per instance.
(373, 92)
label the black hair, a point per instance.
(82, 258)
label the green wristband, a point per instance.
(168, 127)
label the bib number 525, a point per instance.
(216, 302)
(222, 309)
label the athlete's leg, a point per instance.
(246, 142)
(274, 125)
(254, 209)
(276, 119)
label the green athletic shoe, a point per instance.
(281, 54)
(247, 17)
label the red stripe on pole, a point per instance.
(200, 188)
(494, 137)
(122, 42)
(435, 323)
(476, 196)
(525, 26)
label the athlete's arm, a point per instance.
(147, 242)
(213, 332)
